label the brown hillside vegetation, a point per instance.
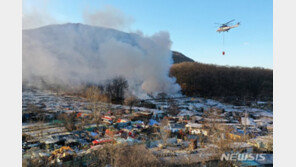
(197, 79)
(179, 57)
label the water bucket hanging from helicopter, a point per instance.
(225, 28)
(223, 37)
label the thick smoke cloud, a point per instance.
(109, 17)
(75, 54)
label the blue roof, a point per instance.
(152, 122)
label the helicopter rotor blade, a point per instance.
(229, 22)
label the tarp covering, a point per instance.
(153, 122)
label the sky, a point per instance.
(190, 23)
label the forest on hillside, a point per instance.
(212, 81)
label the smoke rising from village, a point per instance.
(75, 54)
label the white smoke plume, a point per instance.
(75, 54)
(109, 17)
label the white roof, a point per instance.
(194, 125)
(240, 145)
(247, 121)
(185, 112)
(197, 117)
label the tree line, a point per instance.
(112, 90)
(197, 79)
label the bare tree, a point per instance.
(115, 89)
(164, 132)
(68, 120)
(131, 101)
(135, 155)
(173, 107)
(95, 97)
(122, 155)
(95, 94)
(218, 137)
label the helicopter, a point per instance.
(226, 27)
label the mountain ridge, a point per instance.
(177, 56)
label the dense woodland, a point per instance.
(197, 79)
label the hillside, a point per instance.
(179, 57)
(197, 79)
